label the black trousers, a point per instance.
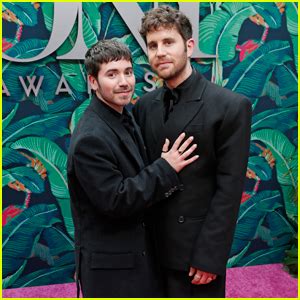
(177, 284)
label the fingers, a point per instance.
(203, 277)
(190, 160)
(192, 271)
(188, 152)
(178, 142)
(197, 277)
(166, 145)
(184, 146)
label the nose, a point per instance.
(123, 80)
(160, 51)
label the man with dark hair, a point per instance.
(111, 185)
(193, 229)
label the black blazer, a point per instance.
(196, 227)
(110, 188)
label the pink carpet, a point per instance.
(265, 281)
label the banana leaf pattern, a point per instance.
(256, 49)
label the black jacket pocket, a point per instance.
(112, 260)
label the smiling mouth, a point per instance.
(162, 64)
(123, 92)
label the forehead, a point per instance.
(118, 65)
(162, 33)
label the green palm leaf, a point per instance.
(9, 280)
(218, 32)
(77, 114)
(10, 75)
(50, 126)
(260, 166)
(249, 76)
(53, 158)
(51, 79)
(234, 260)
(286, 165)
(270, 13)
(27, 176)
(43, 252)
(273, 92)
(27, 48)
(135, 49)
(55, 275)
(7, 177)
(6, 121)
(91, 11)
(63, 104)
(55, 161)
(73, 71)
(90, 37)
(21, 233)
(287, 80)
(48, 13)
(25, 12)
(280, 228)
(265, 256)
(250, 215)
(12, 156)
(112, 25)
(282, 119)
(57, 240)
(291, 11)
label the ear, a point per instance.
(190, 44)
(93, 82)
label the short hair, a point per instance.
(105, 51)
(166, 17)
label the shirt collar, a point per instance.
(178, 91)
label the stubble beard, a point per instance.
(174, 72)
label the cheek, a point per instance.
(132, 80)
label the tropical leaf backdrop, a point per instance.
(256, 51)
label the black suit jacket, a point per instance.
(196, 227)
(110, 188)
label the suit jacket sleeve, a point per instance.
(96, 168)
(213, 243)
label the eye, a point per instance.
(128, 73)
(152, 47)
(168, 43)
(111, 75)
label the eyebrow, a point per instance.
(164, 40)
(117, 70)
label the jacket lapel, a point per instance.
(184, 112)
(121, 132)
(140, 141)
(157, 116)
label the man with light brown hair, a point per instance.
(194, 229)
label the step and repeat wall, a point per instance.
(250, 48)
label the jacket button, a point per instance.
(181, 219)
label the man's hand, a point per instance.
(201, 277)
(178, 154)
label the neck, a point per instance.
(117, 108)
(174, 82)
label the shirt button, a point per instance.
(181, 219)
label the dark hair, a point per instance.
(167, 17)
(105, 51)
